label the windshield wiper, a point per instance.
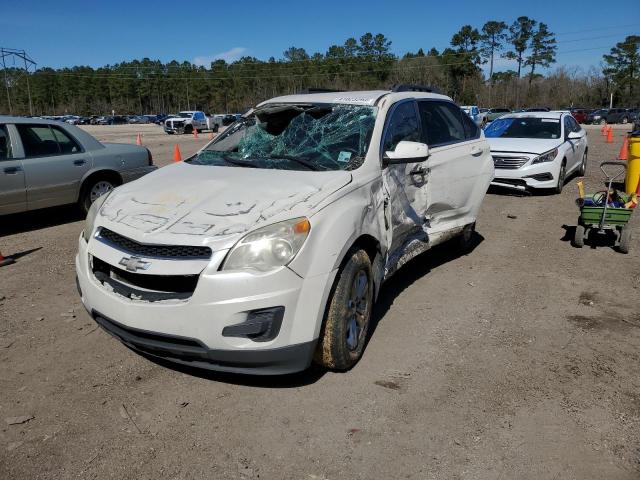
(239, 163)
(301, 161)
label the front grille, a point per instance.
(154, 251)
(146, 287)
(509, 163)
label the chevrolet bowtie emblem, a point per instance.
(133, 264)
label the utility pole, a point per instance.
(28, 62)
(611, 101)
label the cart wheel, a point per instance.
(578, 237)
(625, 239)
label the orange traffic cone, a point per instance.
(195, 133)
(610, 135)
(139, 140)
(177, 157)
(6, 260)
(624, 151)
(603, 130)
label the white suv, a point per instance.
(268, 247)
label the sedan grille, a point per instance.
(156, 251)
(510, 163)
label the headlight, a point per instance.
(91, 216)
(268, 247)
(546, 157)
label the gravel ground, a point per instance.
(518, 360)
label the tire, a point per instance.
(602, 121)
(465, 240)
(562, 174)
(188, 129)
(625, 120)
(578, 237)
(625, 239)
(344, 333)
(94, 189)
(215, 128)
(583, 167)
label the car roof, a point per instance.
(555, 114)
(369, 97)
(13, 119)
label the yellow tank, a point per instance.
(633, 165)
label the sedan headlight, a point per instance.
(268, 247)
(546, 157)
(91, 216)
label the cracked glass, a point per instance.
(295, 137)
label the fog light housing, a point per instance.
(541, 177)
(260, 326)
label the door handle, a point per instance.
(12, 170)
(419, 170)
(79, 163)
(476, 152)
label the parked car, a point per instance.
(45, 163)
(270, 244)
(474, 113)
(620, 115)
(160, 119)
(138, 119)
(598, 116)
(537, 150)
(537, 109)
(188, 121)
(112, 120)
(580, 114)
(494, 113)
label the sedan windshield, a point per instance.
(527, 127)
(295, 137)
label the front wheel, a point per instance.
(344, 334)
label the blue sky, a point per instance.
(67, 33)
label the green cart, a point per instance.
(597, 213)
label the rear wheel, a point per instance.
(583, 165)
(465, 240)
(93, 190)
(344, 334)
(625, 239)
(578, 237)
(561, 177)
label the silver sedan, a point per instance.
(44, 163)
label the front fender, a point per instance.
(335, 229)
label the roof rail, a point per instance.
(406, 87)
(306, 91)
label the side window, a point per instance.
(575, 126)
(5, 143)
(471, 130)
(67, 144)
(568, 128)
(38, 140)
(403, 125)
(441, 122)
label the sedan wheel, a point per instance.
(583, 165)
(93, 191)
(561, 177)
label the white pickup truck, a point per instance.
(187, 121)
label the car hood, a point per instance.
(523, 145)
(185, 204)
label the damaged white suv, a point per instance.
(267, 248)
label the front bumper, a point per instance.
(190, 331)
(539, 175)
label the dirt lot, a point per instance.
(519, 360)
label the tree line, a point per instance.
(151, 86)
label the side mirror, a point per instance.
(574, 136)
(406, 152)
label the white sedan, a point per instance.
(535, 150)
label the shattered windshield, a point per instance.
(295, 137)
